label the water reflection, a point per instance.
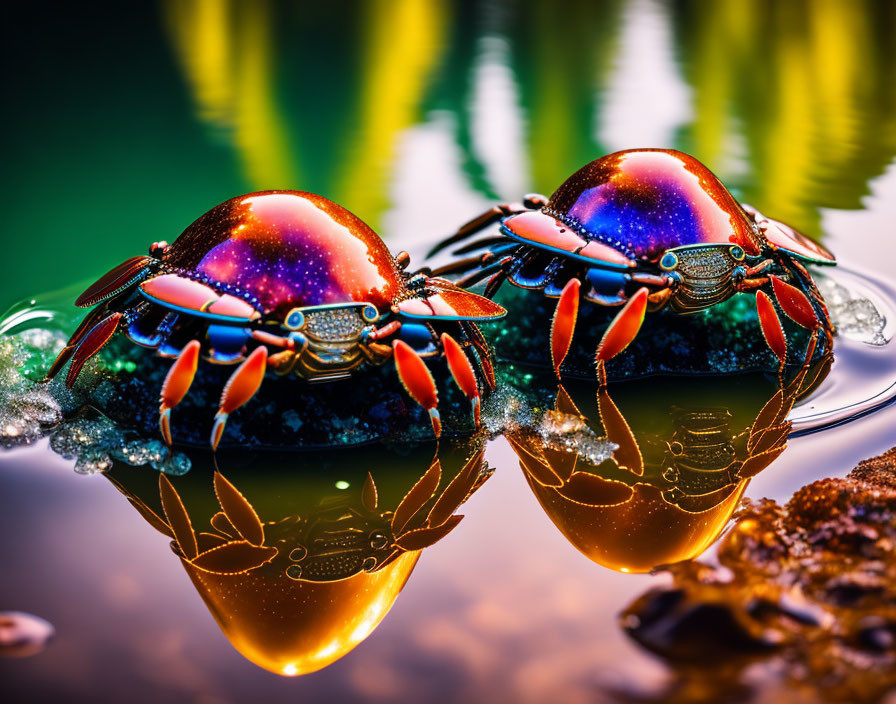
(810, 106)
(685, 452)
(299, 558)
(801, 119)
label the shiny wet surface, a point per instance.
(415, 116)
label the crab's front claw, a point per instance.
(563, 324)
(462, 371)
(177, 384)
(417, 381)
(242, 386)
(621, 331)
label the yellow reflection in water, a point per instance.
(402, 43)
(809, 87)
(225, 49)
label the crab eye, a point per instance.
(669, 261)
(294, 319)
(737, 253)
(370, 313)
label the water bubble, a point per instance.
(176, 464)
(294, 572)
(92, 460)
(670, 474)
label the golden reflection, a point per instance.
(226, 49)
(677, 474)
(300, 558)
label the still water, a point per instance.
(121, 128)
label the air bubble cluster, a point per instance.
(853, 315)
(31, 410)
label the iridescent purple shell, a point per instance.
(640, 203)
(288, 249)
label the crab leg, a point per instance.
(563, 324)
(177, 383)
(621, 331)
(490, 216)
(91, 319)
(795, 304)
(771, 326)
(92, 343)
(385, 331)
(417, 381)
(241, 387)
(500, 266)
(475, 335)
(462, 371)
(494, 284)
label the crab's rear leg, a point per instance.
(621, 331)
(418, 381)
(489, 217)
(462, 371)
(90, 320)
(89, 345)
(797, 307)
(242, 386)
(177, 384)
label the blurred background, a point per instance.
(123, 124)
(126, 121)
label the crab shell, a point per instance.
(633, 206)
(291, 263)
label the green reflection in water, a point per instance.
(127, 127)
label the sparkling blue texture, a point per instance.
(644, 202)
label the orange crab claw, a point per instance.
(177, 383)
(771, 326)
(417, 381)
(622, 330)
(92, 343)
(563, 324)
(462, 371)
(794, 303)
(241, 387)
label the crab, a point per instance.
(644, 229)
(288, 281)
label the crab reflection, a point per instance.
(686, 450)
(299, 559)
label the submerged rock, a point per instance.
(810, 585)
